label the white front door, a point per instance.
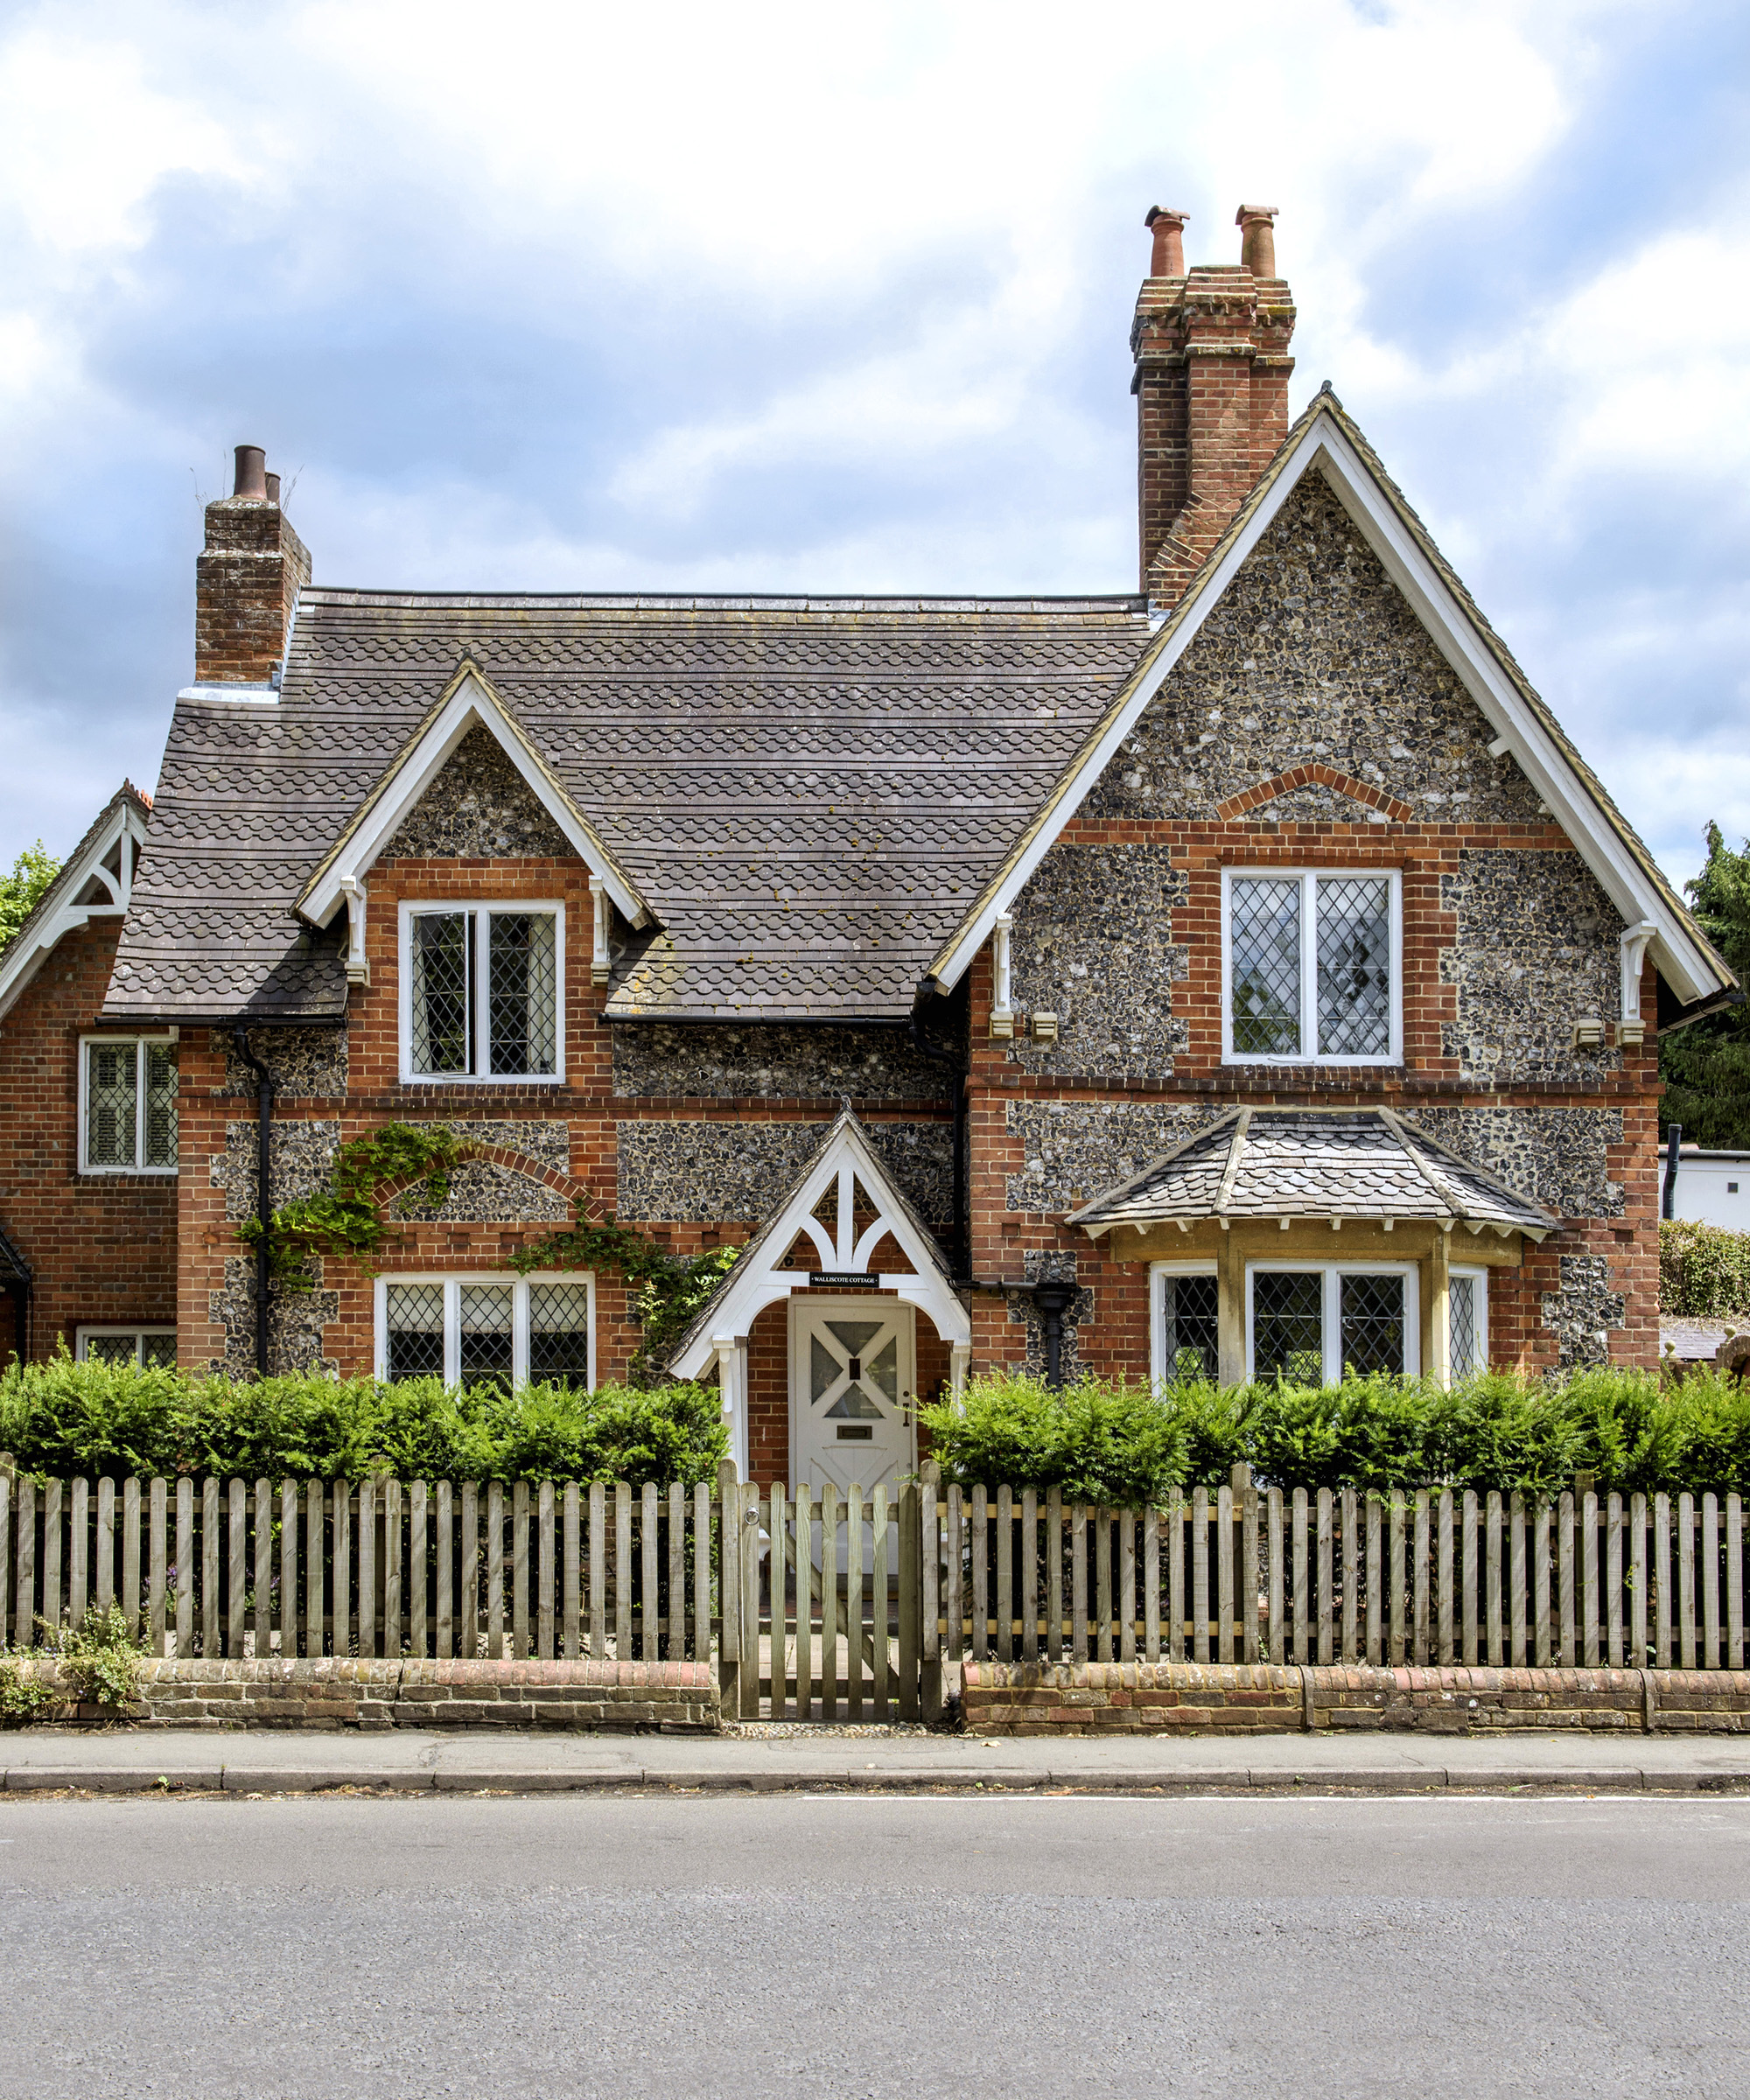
(852, 1379)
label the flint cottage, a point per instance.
(1242, 974)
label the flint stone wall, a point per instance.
(478, 807)
(1557, 1157)
(770, 1063)
(1584, 1311)
(483, 1192)
(296, 1320)
(1076, 1149)
(1093, 943)
(1312, 655)
(306, 1063)
(704, 1173)
(1536, 950)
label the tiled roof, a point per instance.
(1314, 1163)
(809, 792)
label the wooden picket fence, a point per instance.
(1421, 1577)
(382, 1568)
(847, 1607)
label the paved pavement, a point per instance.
(632, 1945)
(769, 1758)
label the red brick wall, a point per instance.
(102, 1247)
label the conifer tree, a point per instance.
(1706, 1067)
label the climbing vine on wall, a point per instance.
(346, 1219)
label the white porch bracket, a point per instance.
(1001, 1010)
(358, 968)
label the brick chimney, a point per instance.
(1211, 350)
(247, 580)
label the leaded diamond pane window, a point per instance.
(1354, 967)
(128, 1099)
(1189, 1338)
(154, 1347)
(442, 1005)
(488, 1355)
(1288, 1325)
(112, 1348)
(1311, 966)
(559, 1333)
(523, 1007)
(415, 1318)
(1372, 1323)
(1469, 1311)
(1265, 939)
(483, 993)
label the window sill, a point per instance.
(97, 1177)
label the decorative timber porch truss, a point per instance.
(844, 1160)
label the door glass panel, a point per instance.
(1373, 1323)
(1288, 1325)
(884, 1371)
(415, 1318)
(823, 1367)
(487, 1338)
(856, 1334)
(854, 1404)
(559, 1333)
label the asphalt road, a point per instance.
(874, 1945)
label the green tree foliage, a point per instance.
(1113, 1443)
(21, 890)
(1706, 1067)
(1703, 1269)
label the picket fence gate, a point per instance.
(851, 1607)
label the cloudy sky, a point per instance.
(573, 297)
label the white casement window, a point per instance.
(1184, 1329)
(493, 1329)
(1312, 966)
(127, 1104)
(125, 1345)
(1467, 1301)
(1308, 1321)
(482, 991)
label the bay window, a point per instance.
(1468, 1306)
(1307, 1322)
(1311, 960)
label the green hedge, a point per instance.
(63, 1418)
(1703, 1271)
(1107, 1441)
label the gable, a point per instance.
(477, 807)
(1312, 655)
(1301, 610)
(96, 881)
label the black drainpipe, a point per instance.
(962, 1223)
(264, 1101)
(1054, 1296)
(1674, 1137)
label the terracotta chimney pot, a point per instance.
(1168, 228)
(251, 483)
(1258, 238)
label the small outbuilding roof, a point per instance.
(1312, 1164)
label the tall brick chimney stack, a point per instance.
(247, 580)
(1212, 366)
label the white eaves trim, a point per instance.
(470, 700)
(106, 892)
(1324, 445)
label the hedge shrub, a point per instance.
(1703, 1271)
(61, 1418)
(1107, 1441)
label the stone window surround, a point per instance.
(87, 1168)
(450, 1281)
(1309, 975)
(1331, 1272)
(410, 908)
(137, 1331)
